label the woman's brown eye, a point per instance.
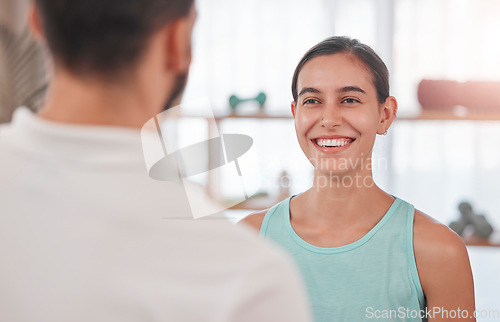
(310, 101)
(351, 100)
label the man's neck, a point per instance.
(74, 101)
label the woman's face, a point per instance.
(337, 114)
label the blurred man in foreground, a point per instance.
(83, 233)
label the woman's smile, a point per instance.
(332, 144)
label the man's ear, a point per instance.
(294, 104)
(179, 42)
(388, 112)
(34, 22)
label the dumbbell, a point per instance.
(482, 227)
(234, 100)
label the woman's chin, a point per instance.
(333, 172)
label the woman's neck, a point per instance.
(339, 200)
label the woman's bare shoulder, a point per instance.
(439, 252)
(434, 236)
(254, 220)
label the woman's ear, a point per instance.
(388, 112)
(293, 108)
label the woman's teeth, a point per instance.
(332, 142)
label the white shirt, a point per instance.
(86, 235)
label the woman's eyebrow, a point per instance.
(350, 89)
(309, 90)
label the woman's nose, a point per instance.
(331, 117)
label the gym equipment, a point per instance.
(481, 227)
(447, 95)
(234, 101)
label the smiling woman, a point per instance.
(359, 248)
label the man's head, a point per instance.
(108, 39)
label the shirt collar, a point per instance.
(106, 146)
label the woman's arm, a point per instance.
(444, 270)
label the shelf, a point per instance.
(474, 240)
(450, 116)
(258, 203)
(254, 116)
(424, 116)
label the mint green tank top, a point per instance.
(372, 279)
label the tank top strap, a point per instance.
(275, 218)
(410, 215)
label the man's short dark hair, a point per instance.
(104, 36)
